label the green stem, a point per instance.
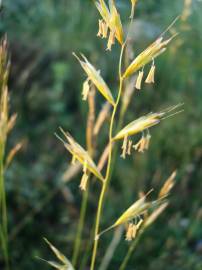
(80, 227)
(128, 254)
(4, 222)
(107, 177)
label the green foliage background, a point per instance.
(45, 86)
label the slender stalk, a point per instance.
(4, 230)
(108, 171)
(129, 253)
(80, 227)
(90, 147)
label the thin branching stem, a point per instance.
(90, 147)
(107, 176)
(80, 227)
(129, 253)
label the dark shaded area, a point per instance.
(45, 85)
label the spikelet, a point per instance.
(154, 50)
(13, 153)
(4, 96)
(144, 122)
(95, 78)
(138, 83)
(150, 76)
(168, 185)
(81, 155)
(115, 22)
(11, 122)
(138, 208)
(86, 89)
(64, 264)
(111, 18)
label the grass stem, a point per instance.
(108, 171)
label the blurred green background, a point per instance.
(45, 86)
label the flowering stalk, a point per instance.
(107, 177)
(141, 213)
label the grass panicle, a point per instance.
(143, 212)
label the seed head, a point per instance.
(168, 185)
(154, 50)
(144, 122)
(111, 20)
(81, 155)
(95, 78)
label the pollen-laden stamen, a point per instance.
(143, 143)
(147, 141)
(150, 76)
(85, 90)
(124, 147)
(111, 40)
(131, 232)
(129, 148)
(84, 179)
(103, 29)
(73, 160)
(99, 34)
(138, 84)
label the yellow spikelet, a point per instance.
(168, 185)
(111, 18)
(138, 208)
(80, 154)
(64, 262)
(12, 153)
(115, 22)
(143, 123)
(95, 78)
(154, 50)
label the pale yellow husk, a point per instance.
(144, 122)
(96, 79)
(148, 55)
(81, 155)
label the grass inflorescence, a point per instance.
(144, 211)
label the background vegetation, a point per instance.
(45, 88)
